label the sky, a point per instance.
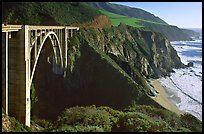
(181, 14)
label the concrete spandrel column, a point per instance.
(66, 49)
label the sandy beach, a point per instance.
(162, 97)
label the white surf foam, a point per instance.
(187, 83)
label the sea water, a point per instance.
(186, 84)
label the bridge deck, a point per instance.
(50, 27)
(11, 28)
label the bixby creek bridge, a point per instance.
(21, 49)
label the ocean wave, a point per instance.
(187, 83)
(186, 42)
(190, 100)
(191, 97)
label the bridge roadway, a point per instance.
(21, 49)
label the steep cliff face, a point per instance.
(148, 52)
(107, 67)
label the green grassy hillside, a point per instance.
(171, 32)
(126, 11)
(116, 19)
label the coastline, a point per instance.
(162, 97)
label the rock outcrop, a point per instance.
(149, 52)
(190, 64)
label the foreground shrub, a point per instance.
(139, 122)
(157, 113)
(78, 128)
(132, 119)
(85, 117)
(191, 122)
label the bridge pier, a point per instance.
(6, 105)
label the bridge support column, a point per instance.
(22, 89)
(28, 83)
(6, 91)
(65, 63)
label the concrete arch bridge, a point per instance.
(21, 49)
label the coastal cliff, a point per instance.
(149, 52)
(108, 66)
(114, 63)
(106, 87)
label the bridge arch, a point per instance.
(56, 48)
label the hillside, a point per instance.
(81, 14)
(191, 33)
(126, 11)
(47, 13)
(99, 22)
(173, 33)
(139, 18)
(116, 19)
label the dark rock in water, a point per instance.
(152, 92)
(192, 71)
(172, 71)
(190, 64)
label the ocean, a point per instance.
(185, 85)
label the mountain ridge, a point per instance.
(173, 33)
(125, 10)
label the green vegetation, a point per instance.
(116, 19)
(86, 117)
(126, 11)
(73, 52)
(13, 124)
(141, 118)
(171, 32)
(133, 119)
(33, 96)
(189, 121)
(47, 13)
(45, 125)
(130, 47)
(95, 59)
